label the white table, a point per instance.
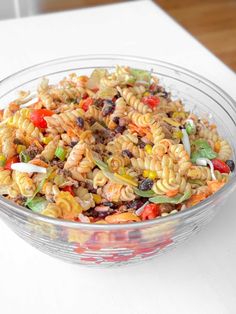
(197, 278)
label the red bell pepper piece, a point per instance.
(151, 101)
(11, 161)
(150, 211)
(37, 117)
(69, 189)
(86, 103)
(220, 165)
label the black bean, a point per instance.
(80, 122)
(91, 213)
(146, 185)
(127, 153)
(98, 102)
(91, 121)
(118, 94)
(116, 120)
(107, 109)
(17, 141)
(110, 204)
(120, 129)
(73, 143)
(136, 204)
(108, 102)
(231, 165)
(141, 144)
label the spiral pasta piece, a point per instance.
(138, 90)
(116, 162)
(157, 133)
(164, 186)
(225, 150)
(5, 178)
(70, 208)
(8, 147)
(50, 190)
(99, 179)
(25, 183)
(147, 163)
(95, 113)
(120, 108)
(199, 172)
(127, 193)
(139, 119)
(178, 153)
(208, 134)
(61, 122)
(52, 210)
(133, 101)
(84, 198)
(21, 121)
(49, 150)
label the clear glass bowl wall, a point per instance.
(113, 245)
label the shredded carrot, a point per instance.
(14, 107)
(1, 114)
(214, 186)
(212, 126)
(38, 162)
(217, 146)
(82, 80)
(195, 199)
(140, 130)
(172, 193)
(70, 132)
(119, 218)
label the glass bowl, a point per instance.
(119, 244)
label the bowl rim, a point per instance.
(12, 207)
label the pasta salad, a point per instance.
(112, 147)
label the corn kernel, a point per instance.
(20, 148)
(146, 173)
(179, 114)
(146, 94)
(177, 134)
(97, 198)
(152, 175)
(46, 140)
(148, 148)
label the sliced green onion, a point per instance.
(141, 75)
(160, 199)
(148, 193)
(190, 126)
(61, 153)
(40, 186)
(38, 204)
(24, 157)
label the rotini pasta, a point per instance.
(111, 147)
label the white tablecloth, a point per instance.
(198, 277)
